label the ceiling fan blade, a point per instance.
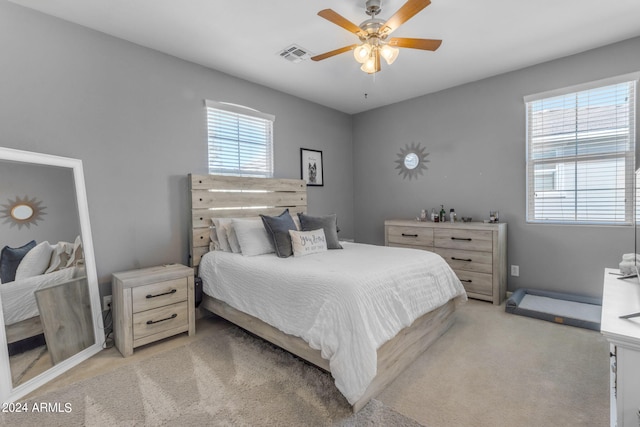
(378, 60)
(333, 53)
(406, 12)
(424, 44)
(341, 21)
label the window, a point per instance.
(240, 140)
(581, 154)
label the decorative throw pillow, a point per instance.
(10, 259)
(308, 242)
(35, 262)
(60, 257)
(252, 236)
(329, 223)
(77, 254)
(221, 232)
(278, 228)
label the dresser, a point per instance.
(150, 304)
(477, 252)
(622, 297)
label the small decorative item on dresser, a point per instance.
(151, 304)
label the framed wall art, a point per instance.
(311, 167)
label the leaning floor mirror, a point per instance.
(50, 316)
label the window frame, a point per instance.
(628, 156)
(250, 116)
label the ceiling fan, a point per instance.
(373, 34)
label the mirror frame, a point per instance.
(8, 393)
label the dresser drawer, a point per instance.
(159, 294)
(480, 262)
(412, 236)
(160, 319)
(479, 283)
(474, 240)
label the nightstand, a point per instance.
(151, 304)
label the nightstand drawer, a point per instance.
(480, 262)
(160, 319)
(413, 236)
(158, 294)
(479, 283)
(474, 240)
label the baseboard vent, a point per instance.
(294, 53)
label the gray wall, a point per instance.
(54, 188)
(136, 119)
(475, 135)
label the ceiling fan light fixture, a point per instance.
(390, 54)
(362, 53)
(369, 66)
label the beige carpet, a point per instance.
(230, 379)
(490, 369)
(497, 369)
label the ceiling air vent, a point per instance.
(294, 53)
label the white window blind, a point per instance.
(581, 155)
(240, 140)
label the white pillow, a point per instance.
(35, 262)
(214, 244)
(233, 239)
(296, 221)
(252, 237)
(308, 242)
(221, 232)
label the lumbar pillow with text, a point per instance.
(308, 242)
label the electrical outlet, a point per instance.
(515, 270)
(106, 302)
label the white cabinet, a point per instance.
(621, 297)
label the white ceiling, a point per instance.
(243, 38)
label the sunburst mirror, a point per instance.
(412, 161)
(23, 212)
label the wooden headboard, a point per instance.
(219, 196)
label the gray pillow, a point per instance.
(329, 223)
(10, 259)
(278, 229)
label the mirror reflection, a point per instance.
(411, 161)
(43, 285)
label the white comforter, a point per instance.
(345, 303)
(18, 298)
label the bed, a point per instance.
(391, 329)
(19, 305)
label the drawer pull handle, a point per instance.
(172, 291)
(466, 280)
(409, 235)
(151, 322)
(460, 238)
(461, 259)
